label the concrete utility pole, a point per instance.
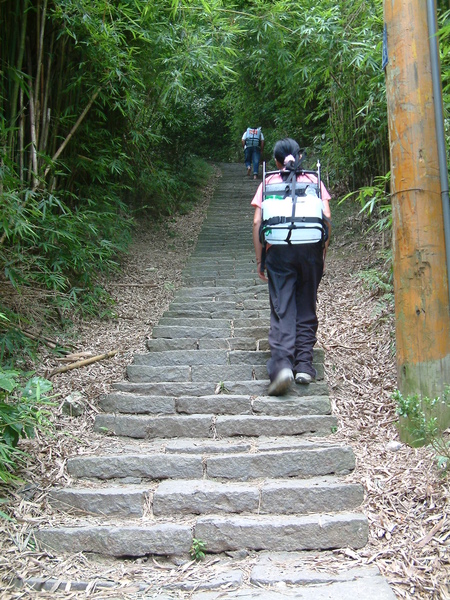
(420, 270)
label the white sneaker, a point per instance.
(304, 378)
(281, 384)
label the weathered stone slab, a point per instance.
(182, 357)
(200, 497)
(287, 567)
(360, 586)
(261, 357)
(167, 389)
(290, 463)
(195, 323)
(145, 427)
(137, 373)
(228, 426)
(216, 404)
(230, 579)
(201, 292)
(207, 446)
(150, 466)
(180, 331)
(165, 539)
(134, 403)
(240, 388)
(270, 532)
(310, 496)
(228, 372)
(308, 405)
(227, 343)
(104, 501)
(254, 332)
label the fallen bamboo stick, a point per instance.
(82, 363)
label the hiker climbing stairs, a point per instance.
(194, 449)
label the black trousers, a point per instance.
(294, 274)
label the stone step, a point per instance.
(193, 343)
(217, 304)
(200, 426)
(164, 539)
(222, 331)
(241, 388)
(214, 322)
(216, 373)
(216, 404)
(274, 497)
(186, 311)
(227, 293)
(311, 532)
(198, 497)
(300, 462)
(220, 280)
(219, 534)
(206, 357)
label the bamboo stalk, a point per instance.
(19, 64)
(73, 130)
(82, 363)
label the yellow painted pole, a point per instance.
(420, 272)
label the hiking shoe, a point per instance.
(249, 170)
(303, 378)
(281, 384)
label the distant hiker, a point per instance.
(294, 264)
(253, 144)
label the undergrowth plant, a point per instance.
(198, 549)
(423, 423)
(375, 202)
(25, 408)
(379, 281)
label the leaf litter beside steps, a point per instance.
(406, 503)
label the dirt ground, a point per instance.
(407, 502)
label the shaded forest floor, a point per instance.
(406, 502)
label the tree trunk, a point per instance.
(420, 275)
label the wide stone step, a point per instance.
(123, 501)
(216, 373)
(165, 426)
(301, 462)
(164, 539)
(216, 404)
(198, 497)
(241, 388)
(206, 357)
(194, 343)
(274, 497)
(192, 312)
(219, 534)
(211, 372)
(282, 533)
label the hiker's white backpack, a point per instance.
(292, 211)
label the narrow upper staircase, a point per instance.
(194, 448)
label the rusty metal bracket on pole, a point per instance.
(440, 131)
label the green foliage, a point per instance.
(375, 202)
(379, 280)
(24, 409)
(198, 549)
(424, 425)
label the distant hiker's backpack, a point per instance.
(253, 137)
(292, 211)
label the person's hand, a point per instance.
(261, 275)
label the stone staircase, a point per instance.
(194, 448)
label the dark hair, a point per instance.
(285, 147)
